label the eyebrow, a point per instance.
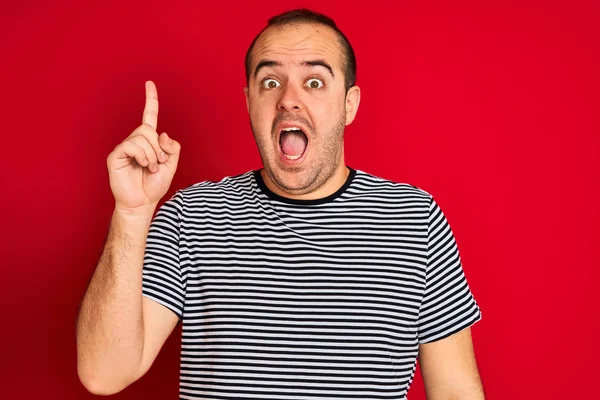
(311, 63)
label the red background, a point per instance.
(493, 109)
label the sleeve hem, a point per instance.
(466, 324)
(427, 252)
(165, 304)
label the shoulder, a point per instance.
(208, 196)
(235, 185)
(366, 183)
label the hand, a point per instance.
(142, 167)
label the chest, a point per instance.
(349, 272)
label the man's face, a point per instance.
(296, 82)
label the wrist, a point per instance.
(138, 215)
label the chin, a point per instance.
(292, 179)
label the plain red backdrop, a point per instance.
(493, 109)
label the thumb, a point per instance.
(171, 147)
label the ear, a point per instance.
(352, 102)
(247, 102)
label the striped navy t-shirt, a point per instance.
(287, 299)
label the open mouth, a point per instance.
(292, 142)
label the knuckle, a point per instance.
(147, 128)
(139, 140)
(150, 135)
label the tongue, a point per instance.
(292, 143)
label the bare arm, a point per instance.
(449, 369)
(111, 350)
(120, 332)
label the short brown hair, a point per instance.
(302, 15)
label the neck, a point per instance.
(332, 185)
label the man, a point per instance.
(306, 279)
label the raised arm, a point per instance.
(119, 332)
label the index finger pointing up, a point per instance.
(150, 116)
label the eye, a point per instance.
(270, 83)
(315, 83)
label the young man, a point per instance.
(305, 279)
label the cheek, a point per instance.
(261, 113)
(326, 115)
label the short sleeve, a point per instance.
(448, 306)
(162, 279)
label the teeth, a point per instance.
(293, 128)
(292, 157)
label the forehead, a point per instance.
(298, 42)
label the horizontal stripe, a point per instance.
(283, 299)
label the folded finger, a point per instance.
(128, 149)
(153, 138)
(142, 142)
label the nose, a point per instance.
(290, 99)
